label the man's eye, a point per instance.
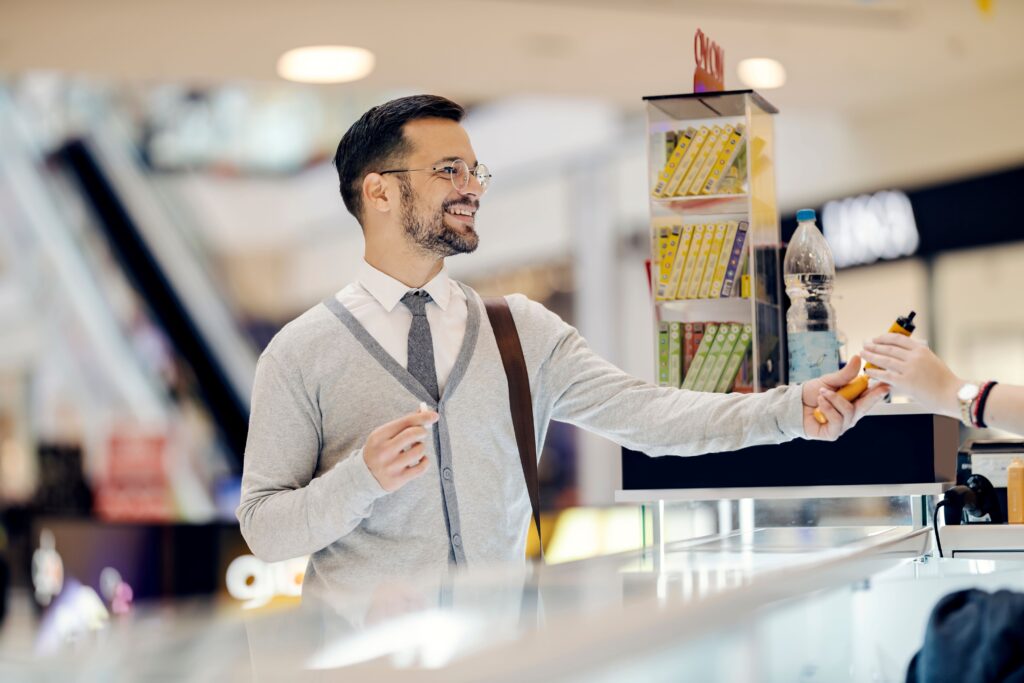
(446, 170)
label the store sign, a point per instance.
(870, 228)
(256, 582)
(709, 76)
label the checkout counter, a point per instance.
(763, 604)
(806, 583)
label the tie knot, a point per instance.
(416, 301)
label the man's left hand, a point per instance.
(842, 414)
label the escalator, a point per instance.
(158, 260)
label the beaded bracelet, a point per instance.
(979, 411)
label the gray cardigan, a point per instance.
(323, 384)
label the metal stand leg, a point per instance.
(658, 536)
(919, 512)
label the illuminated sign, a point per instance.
(256, 582)
(870, 228)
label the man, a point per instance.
(341, 465)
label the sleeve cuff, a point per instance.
(791, 418)
(363, 488)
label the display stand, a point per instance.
(745, 193)
(896, 452)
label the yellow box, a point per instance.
(683, 144)
(702, 250)
(712, 262)
(682, 254)
(726, 157)
(709, 161)
(718, 279)
(687, 162)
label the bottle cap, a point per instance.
(805, 215)
(907, 322)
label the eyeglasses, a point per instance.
(457, 170)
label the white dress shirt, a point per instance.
(375, 299)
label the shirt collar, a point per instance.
(389, 292)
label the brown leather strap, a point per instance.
(511, 350)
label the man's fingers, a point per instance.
(406, 438)
(408, 458)
(411, 473)
(391, 429)
(833, 416)
(868, 400)
(844, 407)
(844, 376)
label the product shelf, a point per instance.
(711, 140)
(705, 205)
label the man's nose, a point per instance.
(473, 187)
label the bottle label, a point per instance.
(812, 354)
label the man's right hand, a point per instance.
(385, 451)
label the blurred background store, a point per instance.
(167, 203)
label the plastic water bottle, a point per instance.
(811, 321)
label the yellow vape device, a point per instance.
(858, 386)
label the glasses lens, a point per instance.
(483, 176)
(460, 177)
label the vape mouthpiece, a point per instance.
(907, 323)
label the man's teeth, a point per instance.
(461, 212)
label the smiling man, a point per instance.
(341, 465)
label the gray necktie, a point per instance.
(421, 344)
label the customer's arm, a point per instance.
(914, 369)
(285, 512)
(588, 391)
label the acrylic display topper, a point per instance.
(709, 76)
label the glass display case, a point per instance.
(715, 240)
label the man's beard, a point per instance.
(433, 234)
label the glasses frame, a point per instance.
(484, 179)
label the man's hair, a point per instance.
(375, 141)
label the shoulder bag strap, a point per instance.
(519, 398)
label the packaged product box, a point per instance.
(678, 265)
(693, 285)
(712, 262)
(692, 334)
(700, 358)
(723, 162)
(715, 288)
(663, 354)
(709, 162)
(686, 162)
(689, 266)
(732, 269)
(714, 365)
(732, 365)
(698, 162)
(675, 355)
(667, 231)
(683, 141)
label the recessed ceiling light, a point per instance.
(325, 64)
(761, 73)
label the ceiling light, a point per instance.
(761, 73)
(325, 64)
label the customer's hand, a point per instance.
(842, 414)
(914, 369)
(395, 453)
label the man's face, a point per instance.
(435, 215)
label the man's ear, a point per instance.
(376, 195)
